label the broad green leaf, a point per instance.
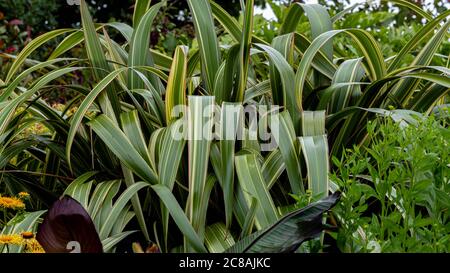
(290, 232)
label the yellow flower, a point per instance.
(33, 246)
(24, 195)
(13, 239)
(11, 203)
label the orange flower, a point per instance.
(27, 235)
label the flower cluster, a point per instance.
(26, 239)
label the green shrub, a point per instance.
(396, 190)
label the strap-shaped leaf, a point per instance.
(230, 24)
(231, 122)
(283, 131)
(31, 47)
(253, 185)
(244, 58)
(200, 134)
(405, 88)
(207, 40)
(176, 85)
(121, 146)
(132, 129)
(118, 206)
(84, 107)
(285, 45)
(373, 58)
(349, 71)
(139, 51)
(8, 111)
(179, 217)
(421, 35)
(290, 99)
(140, 7)
(273, 167)
(319, 20)
(218, 238)
(315, 152)
(96, 56)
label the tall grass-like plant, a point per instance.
(204, 191)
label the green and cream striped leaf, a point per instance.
(84, 107)
(96, 56)
(140, 8)
(244, 56)
(31, 47)
(349, 71)
(111, 219)
(231, 123)
(284, 134)
(133, 131)
(139, 54)
(121, 146)
(253, 185)
(200, 135)
(218, 238)
(8, 111)
(405, 88)
(207, 40)
(179, 217)
(176, 84)
(373, 58)
(273, 167)
(290, 97)
(315, 152)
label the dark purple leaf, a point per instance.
(68, 228)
